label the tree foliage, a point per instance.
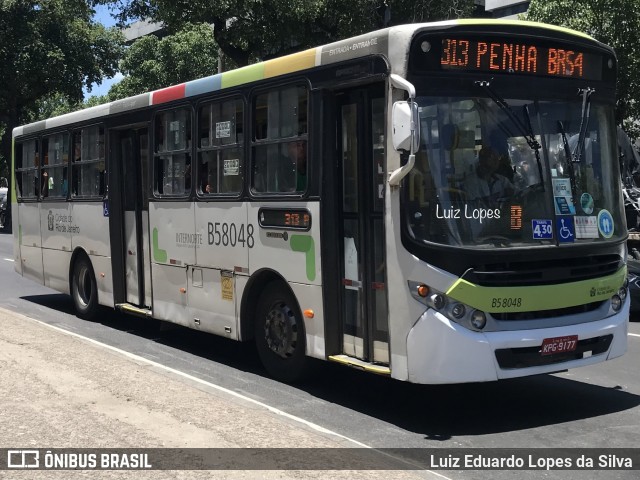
(151, 63)
(250, 30)
(49, 47)
(614, 22)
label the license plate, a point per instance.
(559, 345)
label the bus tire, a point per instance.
(84, 289)
(280, 335)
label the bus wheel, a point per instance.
(280, 335)
(84, 289)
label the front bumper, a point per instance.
(441, 351)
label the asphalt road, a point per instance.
(593, 407)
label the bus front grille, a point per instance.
(540, 314)
(549, 272)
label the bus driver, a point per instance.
(487, 184)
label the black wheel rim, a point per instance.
(281, 330)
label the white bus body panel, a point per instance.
(90, 228)
(30, 248)
(273, 248)
(30, 225)
(441, 351)
(32, 263)
(54, 225)
(212, 301)
(56, 244)
(170, 258)
(56, 269)
(310, 298)
(104, 279)
(170, 294)
(222, 235)
(171, 220)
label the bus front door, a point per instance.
(361, 157)
(128, 203)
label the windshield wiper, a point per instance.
(525, 130)
(584, 121)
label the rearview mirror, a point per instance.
(405, 132)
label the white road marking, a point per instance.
(9, 259)
(274, 410)
(633, 335)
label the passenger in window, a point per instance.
(487, 184)
(45, 183)
(65, 182)
(205, 185)
(291, 174)
(298, 154)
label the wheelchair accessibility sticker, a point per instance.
(605, 224)
(566, 229)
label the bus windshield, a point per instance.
(481, 180)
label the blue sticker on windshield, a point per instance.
(605, 224)
(542, 229)
(566, 229)
(563, 198)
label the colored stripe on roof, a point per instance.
(168, 94)
(203, 85)
(250, 73)
(290, 63)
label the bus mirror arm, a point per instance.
(397, 175)
(406, 128)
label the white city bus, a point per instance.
(342, 203)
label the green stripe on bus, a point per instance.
(533, 298)
(159, 255)
(305, 243)
(243, 75)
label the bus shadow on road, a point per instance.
(439, 412)
(442, 412)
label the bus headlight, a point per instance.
(452, 309)
(478, 319)
(622, 293)
(616, 303)
(458, 310)
(437, 301)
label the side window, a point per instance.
(27, 169)
(87, 163)
(172, 153)
(54, 180)
(220, 147)
(279, 147)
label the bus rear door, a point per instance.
(129, 216)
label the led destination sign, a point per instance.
(506, 56)
(285, 218)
